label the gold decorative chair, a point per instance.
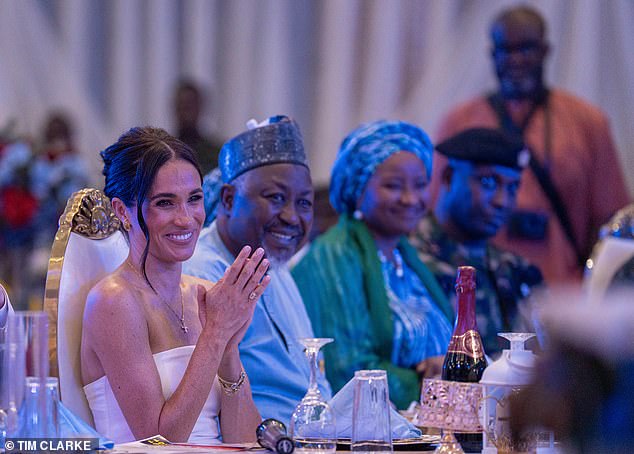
(88, 245)
(610, 255)
(614, 249)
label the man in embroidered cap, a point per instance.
(262, 196)
(477, 193)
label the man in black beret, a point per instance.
(477, 193)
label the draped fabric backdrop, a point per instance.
(331, 64)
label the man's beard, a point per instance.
(278, 258)
(277, 262)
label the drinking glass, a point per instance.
(25, 367)
(6, 416)
(313, 421)
(371, 431)
(39, 415)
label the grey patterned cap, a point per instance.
(276, 140)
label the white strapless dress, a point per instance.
(171, 365)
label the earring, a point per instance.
(126, 225)
(358, 215)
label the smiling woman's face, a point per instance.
(173, 211)
(393, 201)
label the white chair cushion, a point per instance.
(86, 262)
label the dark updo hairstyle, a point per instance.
(130, 166)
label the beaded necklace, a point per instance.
(398, 261)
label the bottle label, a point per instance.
(468, 343)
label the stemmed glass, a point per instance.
(313, 421)
(517, 340)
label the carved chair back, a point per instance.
(88, 245)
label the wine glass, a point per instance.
(517, 340)
(313, 421)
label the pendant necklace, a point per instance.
(183, 327)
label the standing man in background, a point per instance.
(188, 105)
(574, 182)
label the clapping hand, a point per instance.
(228, 306)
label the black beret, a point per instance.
(486, 146)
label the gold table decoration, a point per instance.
(452, 407)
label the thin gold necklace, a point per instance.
(164, 301)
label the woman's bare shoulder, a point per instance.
(114, 297)
(115, 328)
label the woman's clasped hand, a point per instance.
(242, 285)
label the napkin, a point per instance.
(72, 426)
(342, 404)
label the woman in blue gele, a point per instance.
(362, 282)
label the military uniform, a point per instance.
(503, 280)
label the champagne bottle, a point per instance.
(465, 360)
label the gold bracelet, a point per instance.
(231, 388)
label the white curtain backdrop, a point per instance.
(331, 64)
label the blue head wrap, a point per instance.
(276, 140)
(364, 149)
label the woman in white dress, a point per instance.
(159, 350)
